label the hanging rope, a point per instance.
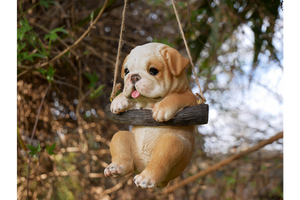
(202, 99)
(117, 87)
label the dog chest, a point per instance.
(146, 138)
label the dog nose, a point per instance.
(135, 78)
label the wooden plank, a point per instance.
(192, 115)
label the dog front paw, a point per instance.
(119, 105)
(162, 113)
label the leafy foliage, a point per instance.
(25, 37)
(52, 35)
(50, 149)
(46, 3)
(48, 73)
(215, 24)
(97, 92)
(34, 150)
(92, 78)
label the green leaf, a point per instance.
(28, 57)
(230, 180)
(92, 15)
(20, 46)
(98, 92)
(181, 4)
(53, 36)
(33, 153)
(51, 153)
(42, 71)
(47, 36)
(17, 34)
(39, 55)
(25, 27)
(46, 3)
(50, 71)
(38, 148)
(30, 147)
(89, 76)
(92, 78)
(86, 52)
(59, 29)
(213, 77)
(263, 167)
(50, 149)
(119, 92)
(92, 85)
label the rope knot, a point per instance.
(114, 92)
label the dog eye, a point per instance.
(153, 71)
(126, 71)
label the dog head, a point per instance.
(153, 70)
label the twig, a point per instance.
(79, 102)
(48, 197)
(99, 55)
(59, 82)
(39, 111)
(116, 187)
(117, 40)
(59, 39)
(83, 35)
(223, 163)
(32, 134)
(92, 25)
(65, 83)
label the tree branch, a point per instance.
(223, 163)
(32, 134)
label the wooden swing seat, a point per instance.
(192, 115)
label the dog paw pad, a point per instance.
(114, 170)
(143, 182)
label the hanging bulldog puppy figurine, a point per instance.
(154, 78)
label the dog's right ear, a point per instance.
(122, 70)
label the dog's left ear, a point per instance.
(122, 70)
(176, 62)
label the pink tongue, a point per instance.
(135, 94)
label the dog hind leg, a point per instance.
(122, 155)
(170, 157)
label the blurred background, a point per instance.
(237, 48)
